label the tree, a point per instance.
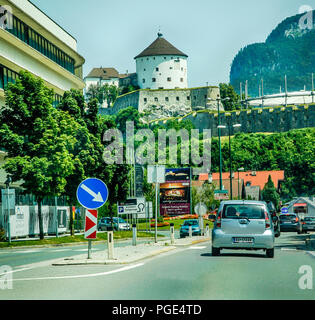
(37, 139)
(227, 91)
(204, 194)
(270, 194)
(106, 92)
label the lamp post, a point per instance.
(229, 128)
(238, 182)
(7, 183)
(219, 134)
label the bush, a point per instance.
(3, 237)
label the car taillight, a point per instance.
(218, 223)
(267, 220)
(296, 220)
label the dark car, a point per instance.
(184, 230)
(275, 219)
(290, 222)
(103, 224)
(308, 224)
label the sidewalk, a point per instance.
(130, 254)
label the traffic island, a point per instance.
(130, 254)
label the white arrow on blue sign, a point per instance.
(284, 210)
(92, 193)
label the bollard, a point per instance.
(89, 249)
(190, 231)
(110, 243)
(134, 234)
(207, 230)
(172, 233)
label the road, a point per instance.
(187, 273)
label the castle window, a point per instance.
(153, 80)
(188, 97)
(156, 69)
(177, 98)
(181, 79)
(166, 99)
(171, 68)
(182, 69)
(143, 80)
(156, 99)
(169, 79)
(145, 100)
(164, 58)
(144, 69)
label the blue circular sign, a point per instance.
(92, 193)
(284, 210)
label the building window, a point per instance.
(145, 100)
(164, 58)
(143, 80)
(171, 68)
(153, 79)
(7, 76)
(195, 97)
(26, 34)
(156, 99)
(188, 97)
(177, 98)
(144, 69)
(156, 69)
(181, 79)
(169, 79)
(166, 99)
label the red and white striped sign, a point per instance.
(90, 224)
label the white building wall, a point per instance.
(45, 22)
(13, 54)
(162, 69)
(96, 81)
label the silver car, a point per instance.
(243, 225)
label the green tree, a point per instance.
(270, 194)
(37, 139)
(227, 91)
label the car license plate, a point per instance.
(243, 240)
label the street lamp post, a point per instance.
(229, 126)
(219, 134)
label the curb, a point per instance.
(72, 261)
(110, 262)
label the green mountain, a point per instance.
(289, 50)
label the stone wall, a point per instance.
(275, 119)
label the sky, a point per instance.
(111, 33)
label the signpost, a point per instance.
(92, 194)
(156, 174)
(221, 194)
(284, 210)
(201, 209)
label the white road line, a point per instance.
(26, 251)
(311, 253)
(83, 275)
(289, 249)
(197, 248)
(60, 250)
(85, 250)
(18, 270)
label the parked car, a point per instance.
(308, 224)
(290, 222)
(118, 224)
(243, 225)
(184, 230)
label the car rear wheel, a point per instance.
(215, 251)
(270, 253)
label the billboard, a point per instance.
(175, 192)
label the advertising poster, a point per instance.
(175, 192)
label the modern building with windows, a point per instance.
(30, 40)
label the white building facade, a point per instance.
(162, 66)
(32, 41)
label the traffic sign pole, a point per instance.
(89, 249)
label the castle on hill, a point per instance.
(162, 76)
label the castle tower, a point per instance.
(161, 66)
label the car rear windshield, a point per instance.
(288, 217)
(239, 211)
(309, 219)
(190, 223)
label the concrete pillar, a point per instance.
(172, 233)
(134, 234)
(190, 231)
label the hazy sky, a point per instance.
(111, 33)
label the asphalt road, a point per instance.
(187, 273)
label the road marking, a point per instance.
(289, 249)
(85, 250)
(26, 251)
(197, 248)
(18, 270)
(83, 275)
(311, 253)
(61, 250)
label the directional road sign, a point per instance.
(90, 224)
(284, 210)
(92, 193)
